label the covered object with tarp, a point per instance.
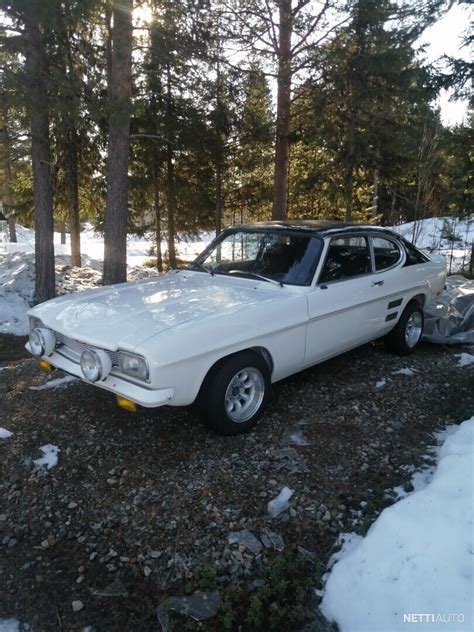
(450, 319)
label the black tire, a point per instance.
(212, 399)
(398, 340)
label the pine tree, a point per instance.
(120, 88)
(286, 41)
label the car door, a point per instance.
(342, 306)
(399, 279)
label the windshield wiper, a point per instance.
(254, 275)
(200, 266)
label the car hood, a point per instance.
(125, 315)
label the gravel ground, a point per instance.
(140, 507)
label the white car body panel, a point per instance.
(185, 322)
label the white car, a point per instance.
(260, 303)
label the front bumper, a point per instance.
(144, 397)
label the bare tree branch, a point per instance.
(272, 33)
(310, 30)
(304, 63)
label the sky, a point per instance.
(445, 38)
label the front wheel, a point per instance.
(407, 333)
(235, 393)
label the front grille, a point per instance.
(72, 349)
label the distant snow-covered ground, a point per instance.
(17, 262)
(92, 246)
(11, 625)
(416, 563)
(428, 234)
(17, 269)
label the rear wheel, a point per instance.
(235, 393)
(407, 333)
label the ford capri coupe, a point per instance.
(260, 303)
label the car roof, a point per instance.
(321, 227)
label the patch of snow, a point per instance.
(465, 359)
(417, 556)
(5, 434)
(419, 480)
(12, 625)
(348, 542)
(421, 477)
(380, 383)
(17, 269)
(50, 456)
(58, 382)
(427, 234)
(280, 503)
(408, 371)
(298, 438)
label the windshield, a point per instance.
(282, 256)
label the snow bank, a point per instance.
(10, 625)
(17, 269)
(428, 234)
(415, 564)
(16, 292)
(5, 434)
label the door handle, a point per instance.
(374, 283)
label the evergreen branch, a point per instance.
(153, 137)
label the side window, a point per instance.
(346, 257)
(414, 256)
(386, 253)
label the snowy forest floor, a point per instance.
(140, 507)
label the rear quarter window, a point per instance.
(414, 256)
(387, 253)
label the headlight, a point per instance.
(42, 341)
(95, 364)
(133, 365)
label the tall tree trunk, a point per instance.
(219, 152)
(7, 171)
(171, 204)
(12, 231)
(120, 89)
(350, 160)
(391, 220)
(218, 210)
(157, 209)
(280, 182)
(159, 254)
(71, 140)
(72, 187)
(38, 109)
(62, 230)
(375, 196)
(170, 184)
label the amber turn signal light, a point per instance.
(45, 365)
(127, 404)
